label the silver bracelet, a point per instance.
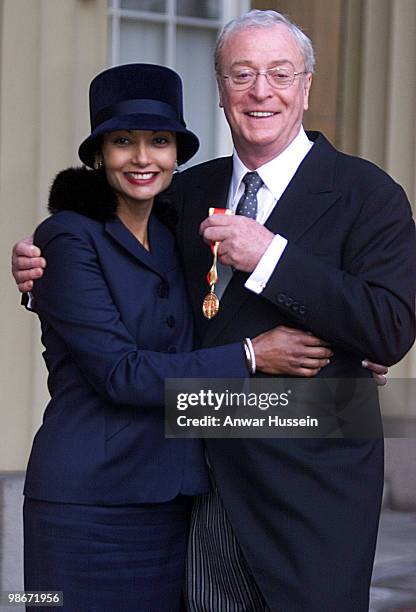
(250, 356)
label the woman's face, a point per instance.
(139, 163)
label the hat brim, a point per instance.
(187, 142)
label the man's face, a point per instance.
(259, 138)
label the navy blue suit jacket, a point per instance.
(305, 512)
(115, 323)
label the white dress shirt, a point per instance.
(276, 175)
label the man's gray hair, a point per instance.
(265, 19)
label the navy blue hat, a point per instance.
(137, 97)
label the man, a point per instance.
(336, 256)
(291, 525)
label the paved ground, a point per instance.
(394, 575)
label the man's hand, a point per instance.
(27, 264)
(243, 241)
(378, 371)
(284, 350)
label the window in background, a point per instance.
(180, 34)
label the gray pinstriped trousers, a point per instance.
(217, 576)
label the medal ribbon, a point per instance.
(211, 302)
(212, 276)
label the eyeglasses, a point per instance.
(279, 77)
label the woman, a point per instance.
(107, 496)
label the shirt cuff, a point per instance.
(258, 279)
(28, 301)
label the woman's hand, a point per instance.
(284, 350)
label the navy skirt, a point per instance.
(107, 558)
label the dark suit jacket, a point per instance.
(306, 511)
(115, 323)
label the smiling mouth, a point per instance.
(141, 176)
(260, 114)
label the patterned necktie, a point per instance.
(247, 205)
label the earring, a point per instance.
(98, 164)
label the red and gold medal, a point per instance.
(211, 303)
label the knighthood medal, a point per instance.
(211, 303)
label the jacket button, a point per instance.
(302, 310)
(288, 301)
(172, 349)
(170, 321)
(295, 306)
(163, 290)
(281, 298)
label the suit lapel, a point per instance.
(309, 194)
(160, 258)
